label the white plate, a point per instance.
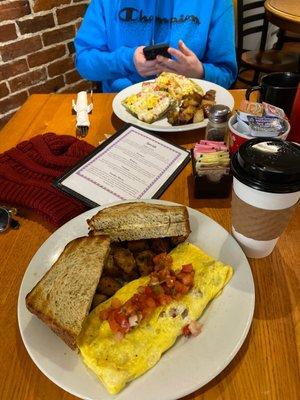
(189, 364)
(222, 97)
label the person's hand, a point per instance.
(144, 67)
(186, 63)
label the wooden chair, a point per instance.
(288, 41)
(262, 60)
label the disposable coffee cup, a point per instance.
(265, 193)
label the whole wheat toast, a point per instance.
(63, 297)
(139, 220)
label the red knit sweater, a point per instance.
(28, 170)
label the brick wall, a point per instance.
(36, 50)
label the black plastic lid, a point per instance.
(268, 164)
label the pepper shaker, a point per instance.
(217, 126)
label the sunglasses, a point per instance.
(6, 218)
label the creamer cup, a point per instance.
(236, 127)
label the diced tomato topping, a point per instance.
(187, 268)
(148, 291)
(115, 303)
(135, 298)
(150, 302)
(185, 278)
(114, 326)
(129, 308)
(122, 321)
(165, 286)
(181, 288)
(186, 330)
(164, 299)
(146, 311)
(170, 281)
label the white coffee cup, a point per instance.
(264, 200)
(266, 189)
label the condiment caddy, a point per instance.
(211, 169)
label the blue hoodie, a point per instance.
(112, 29)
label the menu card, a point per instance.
(131, 164)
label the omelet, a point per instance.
(117, 362)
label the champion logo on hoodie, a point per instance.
(131, 14)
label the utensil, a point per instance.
(190, 363)
(82, 109)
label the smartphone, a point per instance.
(150, 52)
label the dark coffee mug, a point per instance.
(278, 89)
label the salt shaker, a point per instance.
(217, 125)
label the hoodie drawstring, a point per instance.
(154, 22)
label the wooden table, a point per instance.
(284, 13)
(266, 367)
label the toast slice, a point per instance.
(139, 220)
(63, 297)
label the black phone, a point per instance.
(150, 52)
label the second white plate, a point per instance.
(222, 97)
